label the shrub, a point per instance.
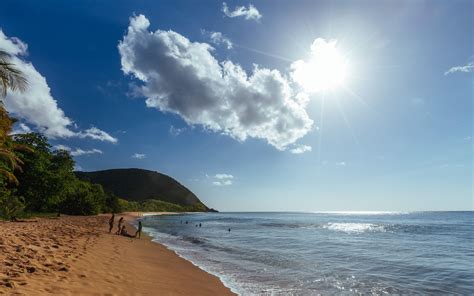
(83, 199)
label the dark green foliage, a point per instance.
(47, 175)
(112, 204)
(140, 185)
(83, 198)
(47, 183)
(10, 205)
(155, 205)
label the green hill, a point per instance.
(143, 185)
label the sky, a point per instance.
(261, 105)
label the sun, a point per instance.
(326, 69)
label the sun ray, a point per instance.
(279, 57)
(360, 99)
(349, 127)
(320, 136)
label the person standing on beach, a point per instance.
(111, 222)
(139, 230)
(120, 225)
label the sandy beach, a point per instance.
(76, 256)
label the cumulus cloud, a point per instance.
(96, 134)
(469, 67)
(139, 156)
(299, 149)
(222, 180)
(176, 131)
(217, 38)
(77, 151)
(184, 78)
(35, 105)
(249, 13)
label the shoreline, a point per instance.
(75, 255)
(134, 216)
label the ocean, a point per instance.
(327, 253)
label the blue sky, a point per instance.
(395, 135)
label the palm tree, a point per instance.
(10, 77)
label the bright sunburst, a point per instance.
(326, 69)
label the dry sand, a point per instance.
(77, 256)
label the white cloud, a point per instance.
(222, 180)
(249, 13)
(469, 67)
(96, 134)
(35, 105)
(62, 147)
(184, 78)
(217, 38)
(341, 164)
(139, 156)
(175, 131)
(299, 149)
(223, 176)
(21, 129)
(77, 151)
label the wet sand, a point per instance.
(77, 256)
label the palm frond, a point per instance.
(9, 176)
(11, 77)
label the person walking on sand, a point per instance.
(139, 230)
(111, 222)
(119, 225)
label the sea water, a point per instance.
(343, 253)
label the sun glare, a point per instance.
(326, 69)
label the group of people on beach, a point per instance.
(121, 230)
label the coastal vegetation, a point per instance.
(142, 186)
(155, 205)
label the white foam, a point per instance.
(354, 227)
(171, 243)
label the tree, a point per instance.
(10, 79)
(13, 79)
(10, 76)
(83, 198)
(46, 174)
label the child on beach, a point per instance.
(124, 232)
(119, 225)
(111, 223)
(139, 230)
